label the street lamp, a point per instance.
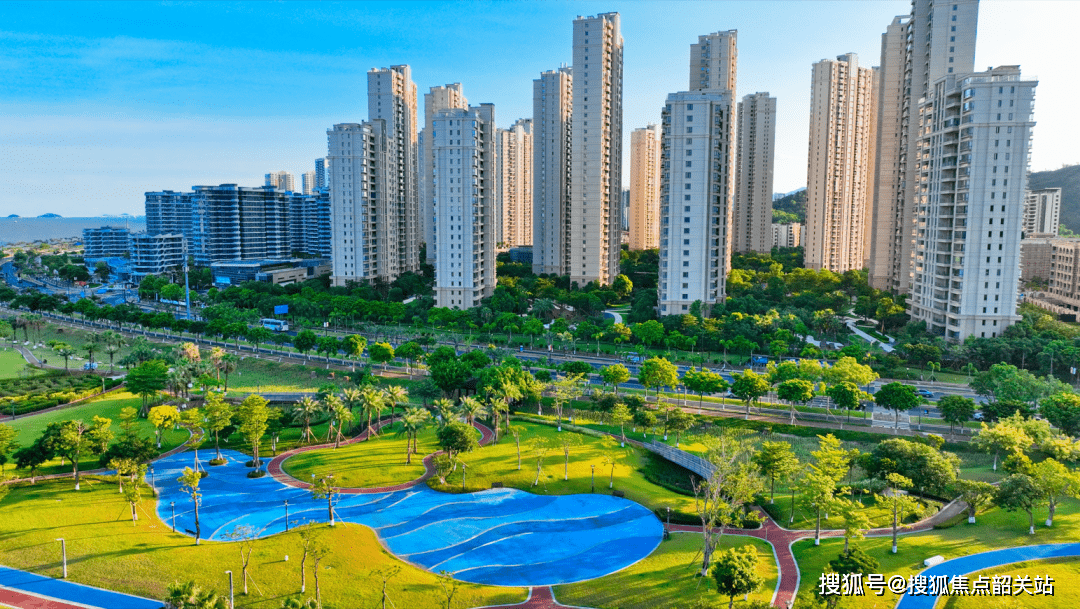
(172, 504)
(286, 515)
(231, 606)
(63, 553)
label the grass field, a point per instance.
(668, 578)
(880, 515)
(1064, 571)
(376, 462)
(994, 529)
(12, 363)
(29, 428)
(498, 463)
(104, 549)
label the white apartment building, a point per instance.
(552, 120)
(595, 223)
(696, 191)
(437, 98)
(308, 181)
(392, 98)
(839, 180)
(713, 62)
(514, 185)
(358, 173)
(281, 180)
(463, 143)
(645, 188)
(936, 39)
(786, 235)
(1042, 211)
(752, 215)
(972, 171)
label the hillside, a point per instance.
(794, 204)
(1068, 180)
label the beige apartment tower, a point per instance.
(438, 98)
(645, 188)
(595, 206)
(552, 120)
(935, 40)
(1042, 212)
(839, 180)
(752, 215)
(514, 185)
(713, 62)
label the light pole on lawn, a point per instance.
(172, 504)
(286, 515)
(231, 605)
(63, 554)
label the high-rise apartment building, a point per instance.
(696, 190)
(309, 229)
(514, 185)
(552, 121)
(231, 222)
(595, 223)
(308, 182)
(281, 180)
(1042, 211)
(438, 98)
(839, 180)
(106, 242)
(463, 143)
(168, 212)
(972, 171)
(645, 188)
(936, 39)
(752, 215)
(786, 235)
(713, 62)
(155, 254)
(392, 98)
(320, 173)
(358, 203)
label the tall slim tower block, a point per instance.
(839, 180)
(281, 180)
(1042, 212)
(438, 98)
(463, 143)
(361, 211)
(595, 224)
(713, 62)
(514, 185)
(752, 216)
(645, 188)
(696, 191)
(552, 120)
(308, 181)
(392, 99)
(320, 173)
(933, 41)
(972, 176)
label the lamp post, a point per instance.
(592, 466)
(463, 466)
(231, 606)
(153, 481)
(286, 515)
(172, 504)
(63, 554)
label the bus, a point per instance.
(277, 325)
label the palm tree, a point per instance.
(352, 398)
(411, 422)
(445, 409)
(371, 402)
(216, 353)
(471, 408)
(395, 394)
(65, 351)
(191, 596)
(228, 364)
(91, 347)
(303, 413)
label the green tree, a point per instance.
(853, 515)
(146, 380)
(852, 560)
(736, 573)
(254, 415)
(956, 409)
(680, 422)
(648, 332)
(324, 489)
(622, 286)
(703, 381)
(975, 494)
(657, 372)
(897, 397)
(847, 395)
(304, 341)
(65, 351)
(1056, 482)
(163, 417)
(818, 491)
(614, 375)
(381, 353)
(410, 352)
(304, 412)
(1002, 437)
(775, 460)
(749, 386)
(1007, 382)
(621, 415)
(456, 438)
(191, 596)
(1020, 492)
(218, 416)
(795, 390)
(354, 345)
(933, 469)
(902, 504)
(1063, 411)
(189, 481)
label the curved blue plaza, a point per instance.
(986, 560)
(502, 537)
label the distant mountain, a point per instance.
(14, 216)
(50, 216)
(794, 203)
(1068, 180)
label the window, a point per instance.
(688, 163)
(687, 208)
(687, 175)
(689, 106)
(690, 118)
(689, 129)
(688, 143)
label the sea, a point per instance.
(28, 230)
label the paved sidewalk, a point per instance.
(32, 591)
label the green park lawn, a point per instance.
(668, 578)
(498, 463)
(12, 363)
(104, 549)
(994, 529)
(805, 518)
(1066, 580)
(376, 462)
(30, 428)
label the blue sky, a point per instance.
(104, 101)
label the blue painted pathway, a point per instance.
(72, 592)
(987, 560)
